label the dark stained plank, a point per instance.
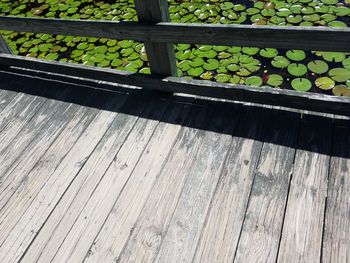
(53, 233)
(263, 221)
(336, 241)
(137, 163)
(303, 224)
(17, 235)
(277, 97)
(220, 235)
(161, 56)
(185, 227)
(147, 229)
(4, 48)
(286, 37)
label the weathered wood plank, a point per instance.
(224, 222)
(286, 37)
(45, 122)
(23, 232)
(270, 96)
(183, 233)
(4, 48)
(161, 56)
(303, 224)
(263, 221)
(53, 233)
(336, 241)
(21, 174)
(159, 205)
(148, 163)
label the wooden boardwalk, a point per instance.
(139, 176)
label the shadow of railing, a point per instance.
(308, 132)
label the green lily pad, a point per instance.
(318, 66)
(195, 72)
(346, 63)
(222, 77)
(268, 52)
(211, 64)
(280, 62)
(324, 83)
(333, 56)
(339, 74)
(301, 84)
(254, 81)
(297, 69)
(275, 80)
(296, 55)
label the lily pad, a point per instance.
(301, 84)
(275, 80)
(269, 52)
(211, 64)
(318, 66)
(341, 90)
(254, 81)
(339, 74)
(296, 55)
(280, 62)
(297, 69)
(324, 83)
(222, 77)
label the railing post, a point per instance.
(4, 48)
(161, 56)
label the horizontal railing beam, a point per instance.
(285, 37)
(277, 97)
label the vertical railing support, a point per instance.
(4, 48)
(161, 56)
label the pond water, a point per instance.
(323, 72)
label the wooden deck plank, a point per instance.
(42, 205)
(220, 235)
(38, 172)
(5, 98)
(159, 205)
(189, 217)
(53, 233)
(16, 175)
(336, 241)
(301, 239)
(148, 163)
(44, 122)
(264, 217)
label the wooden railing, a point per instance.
(158, 35)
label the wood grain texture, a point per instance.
(263, 221)
(277, 97)
(30, 222)
(4, 48)
(45, 124)
(220, 235)
(336, 241)
(286, 37)
(5, 98)
(46, 244)
(303, 224)
(161, 56)
(185, 227)
(145, 236)
(135, 165)
(37, 173)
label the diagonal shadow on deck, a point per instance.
(266, 120)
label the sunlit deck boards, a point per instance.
(140, 177)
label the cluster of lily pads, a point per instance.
(326, 72)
